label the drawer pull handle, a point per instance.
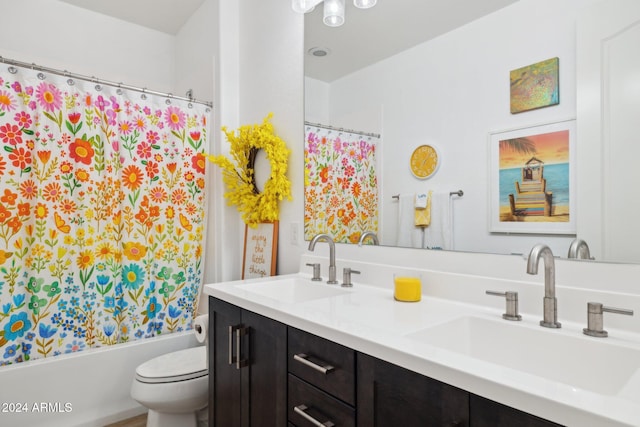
(301, 410)
(303, 358)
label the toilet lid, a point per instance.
(179, 365)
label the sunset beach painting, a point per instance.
(534, 178)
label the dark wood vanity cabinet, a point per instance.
(247, 368)
(487, 413)
(389, 395)
(265, 373)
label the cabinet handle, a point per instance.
(239, 331)
(303, 358)
(301, 410)
(231, 358)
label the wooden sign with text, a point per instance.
(260, 250)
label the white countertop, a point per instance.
(369, 320)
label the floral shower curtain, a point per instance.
(341, 184)
(101, 214)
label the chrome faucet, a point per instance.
(550, 303)
(332, 255)
(366, 234)
(579, 249)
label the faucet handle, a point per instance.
(346, 277)
(595, 318)
(512, 304)
(316, 271)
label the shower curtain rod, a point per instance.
(375, 135)
(92, 79)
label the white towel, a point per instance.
(440, 232)
(409, 236)
(421, 200)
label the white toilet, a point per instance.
(174, 387)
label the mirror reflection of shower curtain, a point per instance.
(101, 214)
(341, 184)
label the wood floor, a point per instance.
(139, 421)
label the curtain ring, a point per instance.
(41, 76)
(12, 70)
(98, 88)
(70, 82)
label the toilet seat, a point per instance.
(180, 365)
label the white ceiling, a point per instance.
(366, 37)
(167, 16)
(370, 35)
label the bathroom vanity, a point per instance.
(289, 351)
(258, 362)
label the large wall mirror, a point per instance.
(437, 73)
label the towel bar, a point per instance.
(458, 193)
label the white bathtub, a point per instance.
(90, 388)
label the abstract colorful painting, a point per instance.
(535, 86)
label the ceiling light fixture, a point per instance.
(364, 4)
(304, 6)
(333, 13)
(333, 9)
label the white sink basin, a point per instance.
(293, 290)
(579, 361)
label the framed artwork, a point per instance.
(532, 179)
(260, 250)
(535, 86)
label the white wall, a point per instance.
(195, 51)
(261, 71)
(59, 35)
(316, 101)
(451, 92)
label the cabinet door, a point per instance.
(389, 395)
(487, 413)
(247, 369)
(264, 392)
(224, 378)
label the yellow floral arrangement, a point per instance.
(255, 206)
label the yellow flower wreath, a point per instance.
(255, 206)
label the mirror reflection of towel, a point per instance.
(440, 233)
(408, 235)
(422, 211)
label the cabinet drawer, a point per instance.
(308, 354)
(316, 404)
